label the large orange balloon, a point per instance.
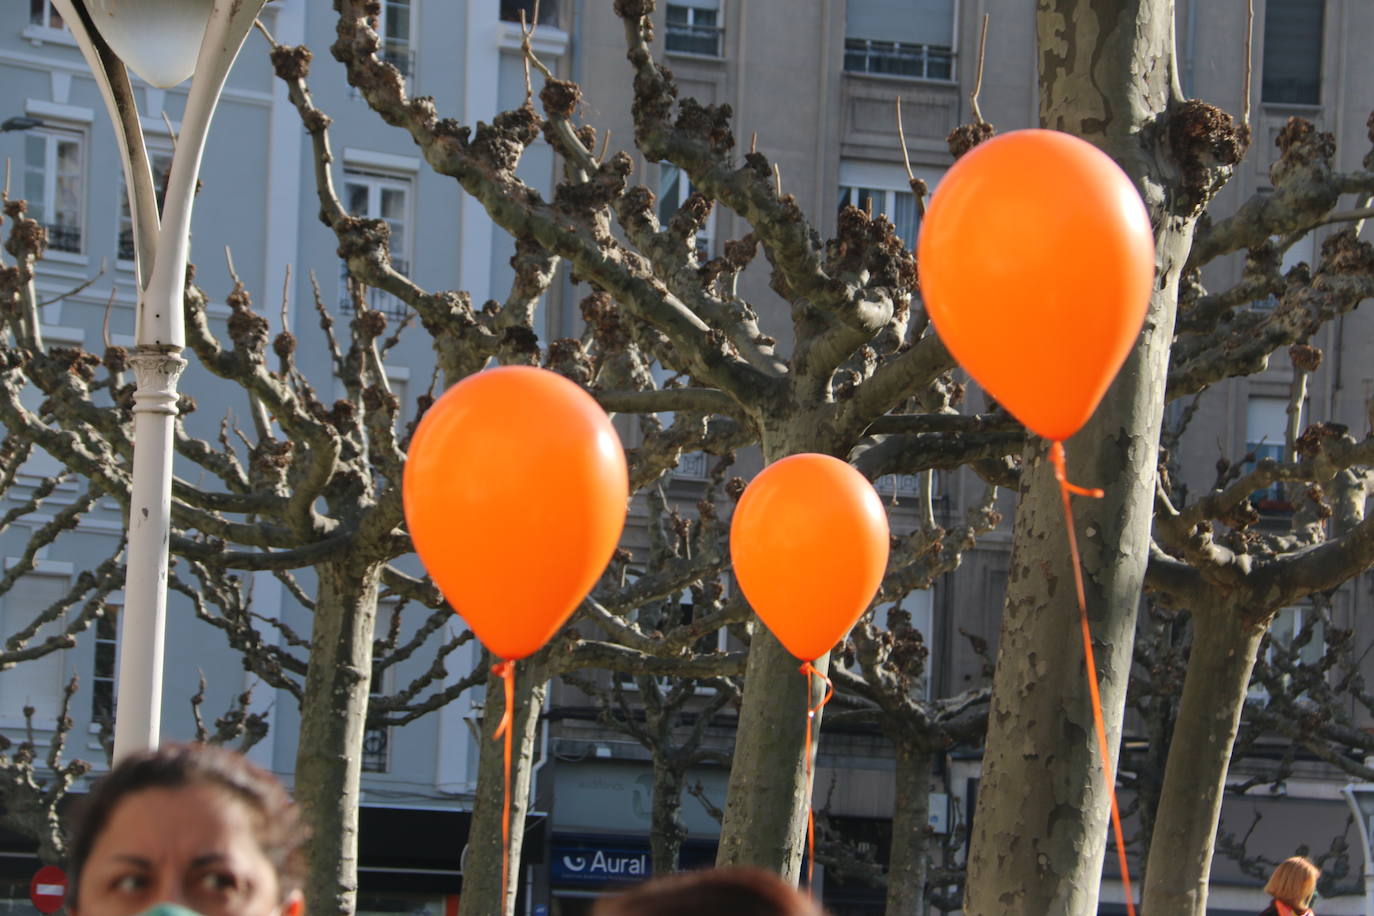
(1036, 265)
(515, 492)
(809, 543)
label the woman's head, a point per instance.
(195, 825)
(714, 892)
(1294, 882)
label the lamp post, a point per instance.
(1360, 796)
(164, 42)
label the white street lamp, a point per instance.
(1360, 796)
(164, 42)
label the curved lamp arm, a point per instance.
(112, 78)
(228, 27)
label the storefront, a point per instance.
(583, 867)
(602, 816)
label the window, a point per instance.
(377, 748)
(919, 606)
(44, 15)
(161, 161)
(394, 29)
(1266, 424)
(377, 739)
(548, 11)
(37, 682)
(674, 187)
(886, 188)
(909, 485)
(663, 617)
(1292, 52)
(387, 197)
(898, 206)
(912, 38)
(1304, 250)
(1286, 633)
(53, 171)
(691, 465)
(103, 671)
(693, 28)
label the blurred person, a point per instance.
(187, 827)
(712, 892)
(1292, 886)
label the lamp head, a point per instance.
(20, 122)
(158, 39)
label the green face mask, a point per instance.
(168, 909)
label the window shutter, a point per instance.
(922, 22)
(1293, 51)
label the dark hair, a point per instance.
(713, 892)
(279, 830)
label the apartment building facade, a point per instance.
(817, 83)
(257, 206)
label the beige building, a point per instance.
(816, 83)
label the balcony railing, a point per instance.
(689, 38)
(376, 742)
(896, 58)
(548, 11)
(375, 299)
(64, 238)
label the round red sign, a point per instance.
(48, 889)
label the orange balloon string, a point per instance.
(808, 669)
(1065, 489)
(506, 671)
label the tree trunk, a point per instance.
(1223, 653)
(764, 822)
(333, 713)
(1150, 761)
(482, 861)
(906, 865)
(1040, 830)
(765, 814)
(667, 830)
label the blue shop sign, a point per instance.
(586, 864)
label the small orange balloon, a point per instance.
(809, 542)
(515, 492)
(1037, 261)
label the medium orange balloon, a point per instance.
(809, 542)
(515, 492)
(1036, 262)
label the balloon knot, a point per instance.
(1061, 474)
(505, 670)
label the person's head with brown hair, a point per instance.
(191, 825)
(712, 892)
(1294, 882)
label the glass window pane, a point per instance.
(398, 22)
(68, 157)
(355, 197)
(1293, 51)
(904, 216)
(36, 151)
(393, 204)
(669, 191)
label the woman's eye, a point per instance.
(128, 884)
(218, 882)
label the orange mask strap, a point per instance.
(1065, 489)
(506, 671)
(808, 669)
